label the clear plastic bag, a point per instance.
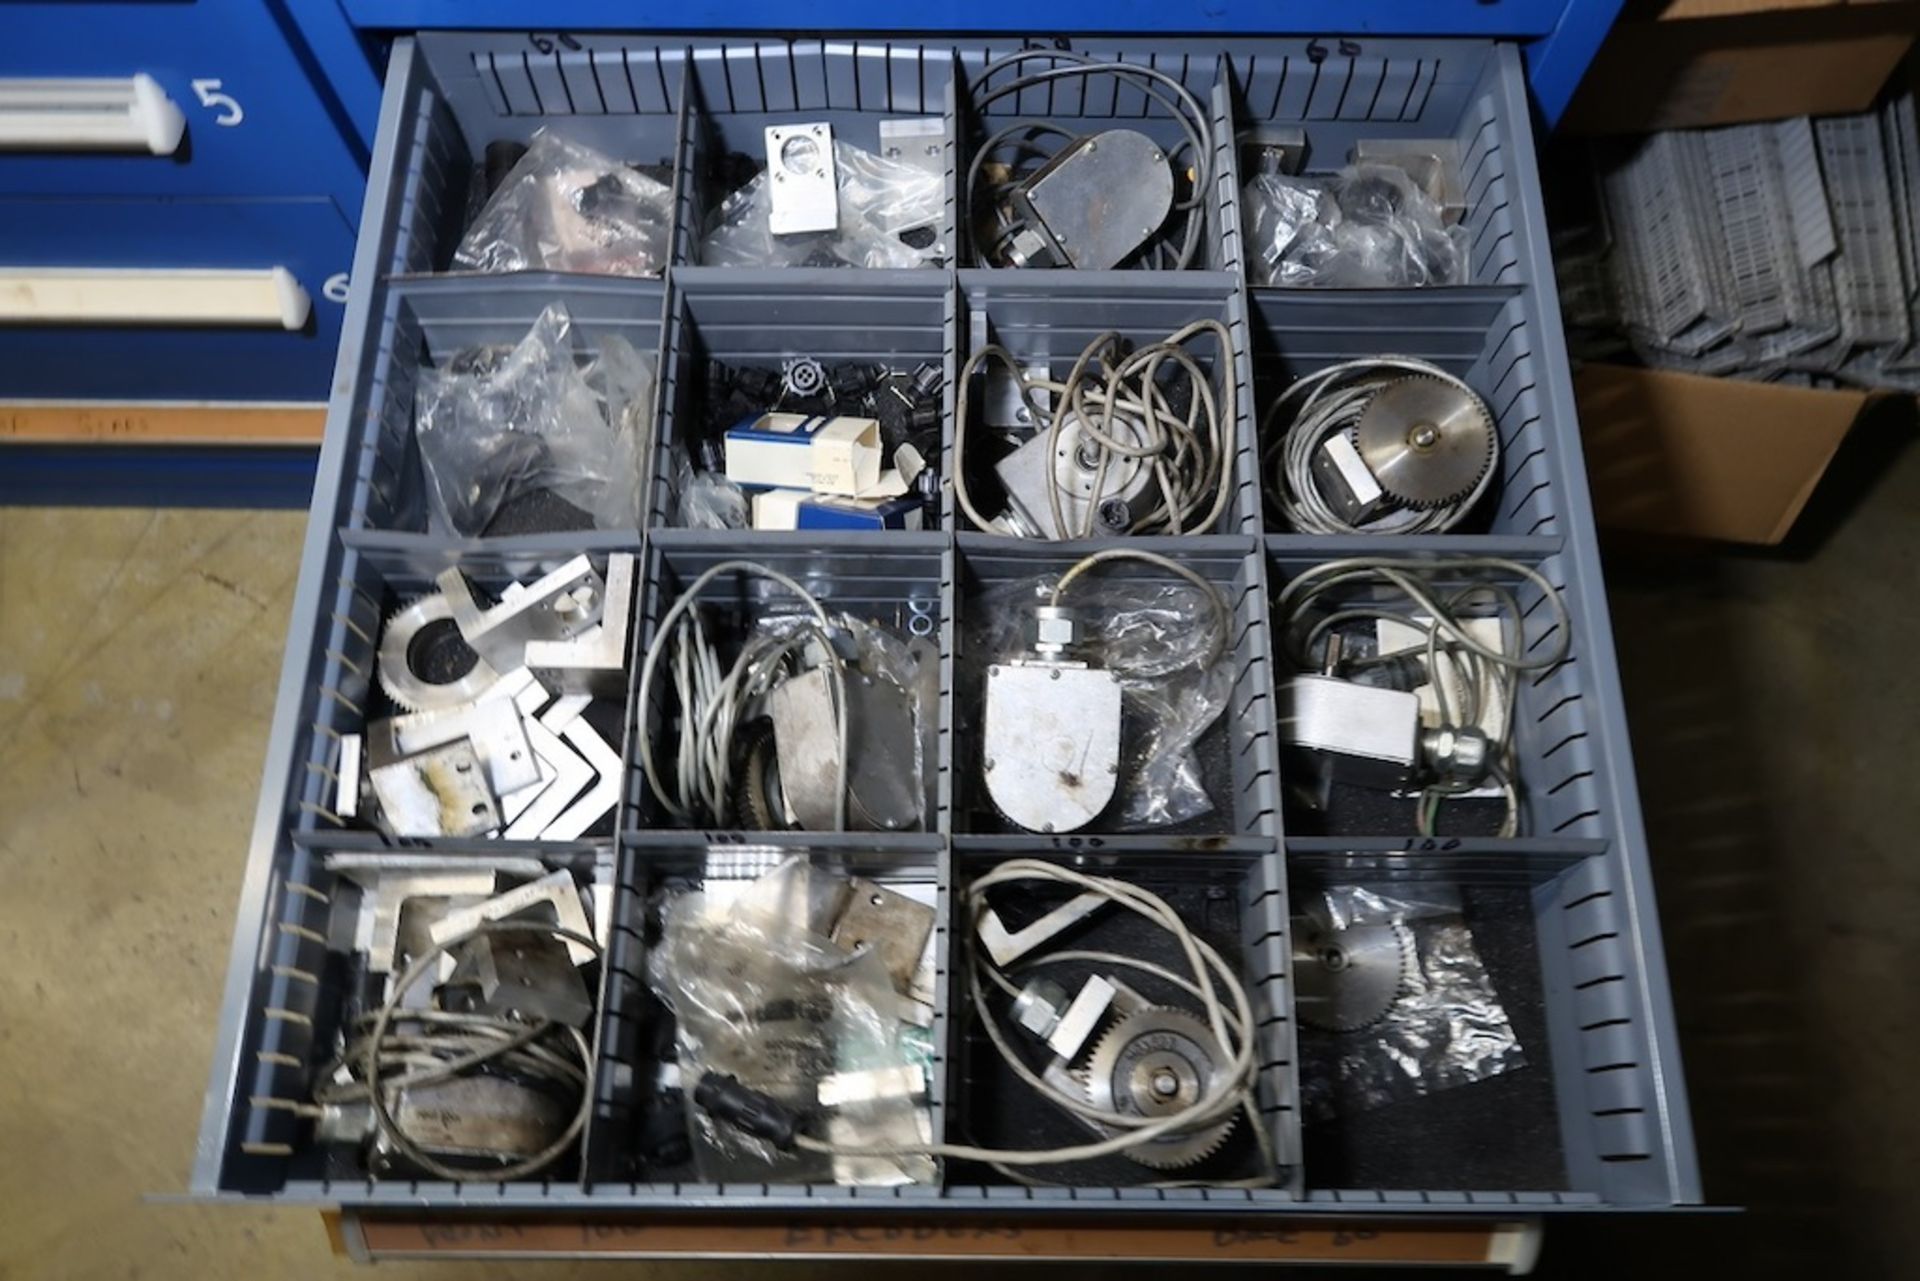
(548, 414)
(707, 499)
(1368, 226)
(880, 202)
(759, 994)
(567, 207)
(1175, 676)
(1447, 1027)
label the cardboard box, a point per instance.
(802, 451)
(1681, 455)
(1694, 63)
(803, 509)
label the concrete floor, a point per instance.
(1772, 701)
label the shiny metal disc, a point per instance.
(1426, 441)
(1345, 980)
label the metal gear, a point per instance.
(757, 802)
(1426, 440)
(1153, 1063)
(1347, 980)
(414, 651)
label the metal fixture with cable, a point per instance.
(808, 725)
(1052, 735)
(1161, 1085)
(1090, 201)
(1454, 628)
(1119, 454)
(1386, 445)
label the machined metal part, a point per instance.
(1125, 492)
(1432, 163)
(1006, 947)
(378, 930)
(883, 788)
(556, 892)
(1007, 406)
(803, 377)
(1039, 1006)
(493, 727)
(1362, 734)
(1156, 1063)
(890, 924)
(1457, 755)
(1099, 198)
(407, 633)
(1426, 441)
(920, 141)
(595, 661)
(555, 607)
(803, 187)
(1055, 630)
(907, 1081)
(598, 800)
(523, 975)
(1342, 477)
(1083, 1015)
(480, 1115)
(1275, 149)
(439, 792)
(1051, 743)
(1347, 980)
(346, 792)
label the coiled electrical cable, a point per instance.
(1209, 979)
(713, 703)
(1164, 90)
(443, 1046)
(1330, 402)
(1189, 457)
(1368, 587)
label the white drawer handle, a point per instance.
(152, 296)
(130, 114)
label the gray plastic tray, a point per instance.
(1619, 1105)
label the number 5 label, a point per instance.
(212, 99)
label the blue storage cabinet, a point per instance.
(1581, 872)
(269, 173)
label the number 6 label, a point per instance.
(211, 98)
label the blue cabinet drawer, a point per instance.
(305, 236)
(255, 120)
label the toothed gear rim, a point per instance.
(1348, 980)
(1427, 441)
(408, 687)
(1153, 1063)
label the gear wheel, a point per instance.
(1427, 441)
(1347, 980)
(756, 798)
(424, 664)
(1153, 1063)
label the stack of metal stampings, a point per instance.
(490, 733)
(1787, 251)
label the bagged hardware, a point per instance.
(566, 207)
(1368, 226)
(547, 414)
(1394, 1001)
(883, 206)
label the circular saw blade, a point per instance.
(1346, 980)
(1157, 1062)
(1427, 441)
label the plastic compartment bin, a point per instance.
(1237, 753)
(900, 586)
(1567, 907)
(432, 320)
(1582, 1122)
(638, 1028)
(739, 88)
(1232, 895)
